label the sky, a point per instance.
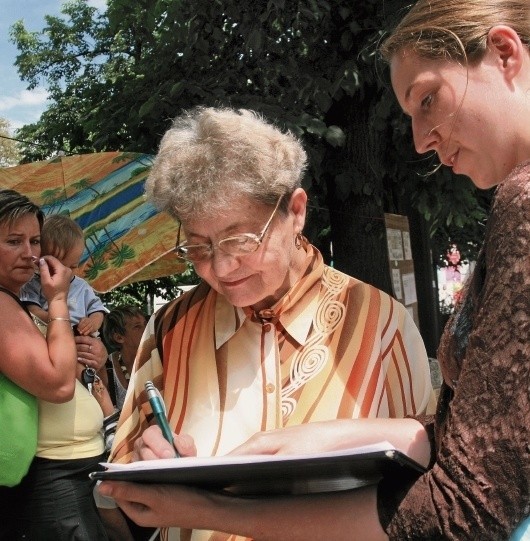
(18, 105)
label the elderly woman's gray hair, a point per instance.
(210, 155)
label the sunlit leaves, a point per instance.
(9, 151)
(116, 80)
(335, 136)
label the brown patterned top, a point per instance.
(479, 485)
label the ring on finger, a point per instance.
(90, 347)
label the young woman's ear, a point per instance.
(506, 45)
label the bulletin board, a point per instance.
(401, 264)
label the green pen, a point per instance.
(159, 411)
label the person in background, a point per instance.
(122, 332)
(55, 498)
(44, 367)
(461, 71)
(272, 337)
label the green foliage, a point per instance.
(9, 152)
(143, 293)
(116, 79)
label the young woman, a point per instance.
(45, 367)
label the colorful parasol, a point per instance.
(126, 238)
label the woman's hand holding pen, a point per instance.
(152, 445)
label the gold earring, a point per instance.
(298, 240)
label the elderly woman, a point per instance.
(271, 337)
(122, 331)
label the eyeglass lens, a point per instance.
(245, 243)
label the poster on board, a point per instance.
(401, 263)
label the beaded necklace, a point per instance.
(126, 374)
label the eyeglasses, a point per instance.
(238, 245)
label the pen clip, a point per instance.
(150, 388)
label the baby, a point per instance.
(62, 238)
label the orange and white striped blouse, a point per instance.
(332, 347)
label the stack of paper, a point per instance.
(270, 474)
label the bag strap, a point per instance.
(111, 384)
(15, 298)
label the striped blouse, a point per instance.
(332, 347)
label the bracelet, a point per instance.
(50, 319)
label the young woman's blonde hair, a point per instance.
(212, 155)
(455, 29)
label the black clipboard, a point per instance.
(271, 474)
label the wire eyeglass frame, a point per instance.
(236, 245)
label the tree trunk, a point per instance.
(356, 217)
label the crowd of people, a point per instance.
(275, 352)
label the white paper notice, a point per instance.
(395, 244)
(409, 288)
(406, 245)
(396, 283)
